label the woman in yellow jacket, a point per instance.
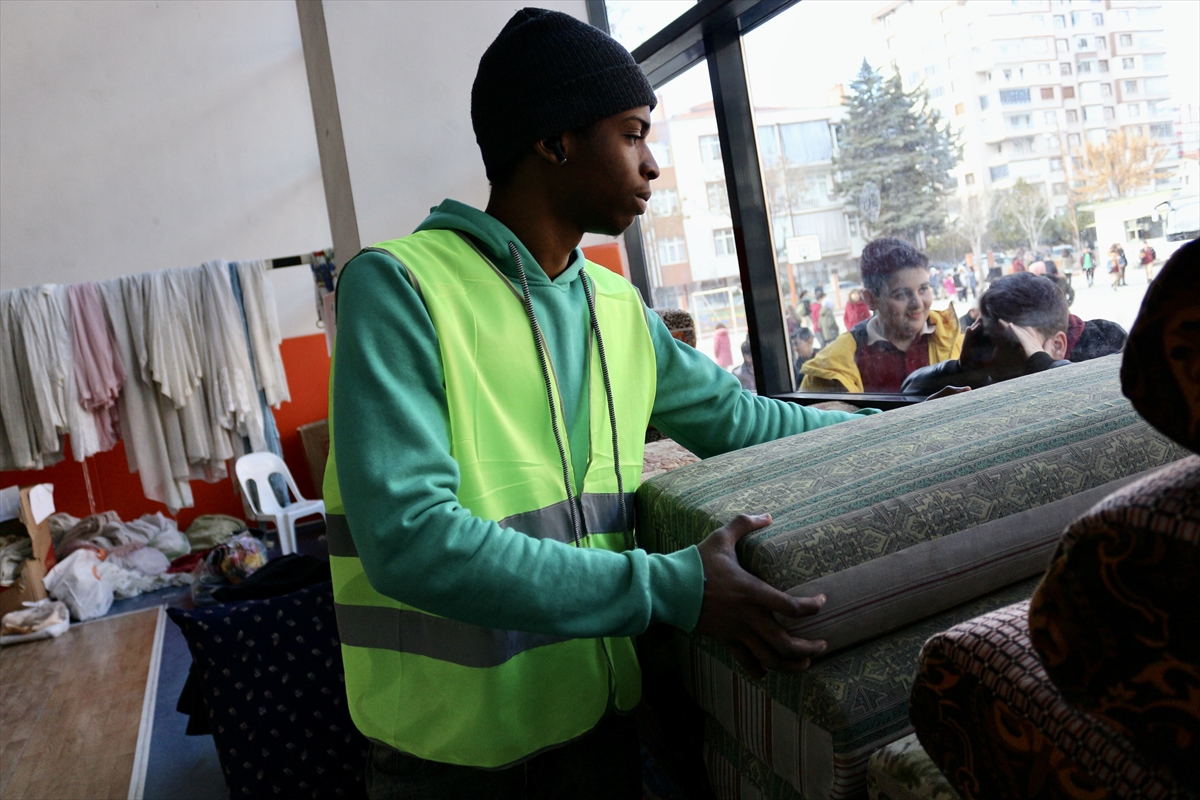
(903, 334)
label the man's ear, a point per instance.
(1056, 346)
(551, 149)
(870, 299)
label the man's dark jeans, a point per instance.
(604, 764)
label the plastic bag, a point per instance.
(41, 620)
(171, 543)
(76, 581)
(230, 563)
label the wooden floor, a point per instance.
(70, 709)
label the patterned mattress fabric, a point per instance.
(814, 731)
(988, 715)
(903, 514)
(1116, 620)
(904, 771)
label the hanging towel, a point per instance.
(262, 325)
(231, 385)
(99, 373)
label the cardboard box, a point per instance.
(37, 504)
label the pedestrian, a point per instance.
(1089, 265)
(485, 625)
(722, 353)
(1147, 256)
(1018, 264)
(829, 326)
(857, 309)
(1123, 261)
(960, 286)
(814, 313)
(973, 281)
(745, 370)
(948, 287)
(1114, 267)
(1068, 264)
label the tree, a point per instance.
(976, 220)
(1118, 166)
(894, 143)
(1024, 214)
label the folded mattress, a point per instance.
(898, 516)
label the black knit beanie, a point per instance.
(545, 74)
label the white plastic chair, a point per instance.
(257, 468)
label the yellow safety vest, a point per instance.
(459, 693)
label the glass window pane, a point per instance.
(687, 232)
(632, 22)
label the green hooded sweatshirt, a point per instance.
(398, 481)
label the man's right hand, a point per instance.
(738, 608)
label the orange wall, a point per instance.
(608, 255)
(114, 488)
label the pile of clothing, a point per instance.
(180, 364)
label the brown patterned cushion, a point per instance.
(1116, 620)
(900, 515)
(989, 717)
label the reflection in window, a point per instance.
(661, 152)
(999, 173)
(710, 148)
(632, 22)
(664, 202)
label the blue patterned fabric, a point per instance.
(272, 677)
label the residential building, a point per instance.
(1028, 82)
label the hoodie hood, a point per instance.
(492, 237)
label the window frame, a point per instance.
(711, 32)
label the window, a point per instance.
(1023, 145)
(664, 202)
(1056, 165)
(1155, 62)
(1047, 92)
(950, 39)
(1068, 92)
(1043, 70)
(1161, 130)
(1098, 20)
(1103, 64)
(806, 142)
(1110, 112)
(1063, 47)
(723, 242)
(1072, 115)
(1093, 113)
(718, 196)
(1059, 188)
(1077, 19)
(959, 109)
(1084, 67)
(983, 102)
(936, 92)
(1156, 86)
(1126, 63)
(931, 70)
(672, 251)
(1101, 43)
(1050, 118)
(1072, 140)
(1130, 87)
(710, 148)
(1039, 46)
(1018, 121)
(1037, 21)
(1125, 40)
(951, 63)
(1150, 41)
(1010, 97)
(1143, 228)
(914, 78)
(999, 173)
(1064, 68)
(1060, 22)
(661, 152)
(1106, 90)
(954, 87)
(1083, 43)
(1123, 16)
(1135, 130)
(969, 179)
(1008, 76)
(1133, 110)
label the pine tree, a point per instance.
(894, 140)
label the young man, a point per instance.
(1024, 327)
(901, 336)
(490, 397)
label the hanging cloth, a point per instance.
(99, 373)
(257, 297)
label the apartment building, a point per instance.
(1027, 82)
(688, 231)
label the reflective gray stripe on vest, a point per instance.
(601, 514)
(436, 637)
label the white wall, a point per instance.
(404, 73)
(137, 136)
